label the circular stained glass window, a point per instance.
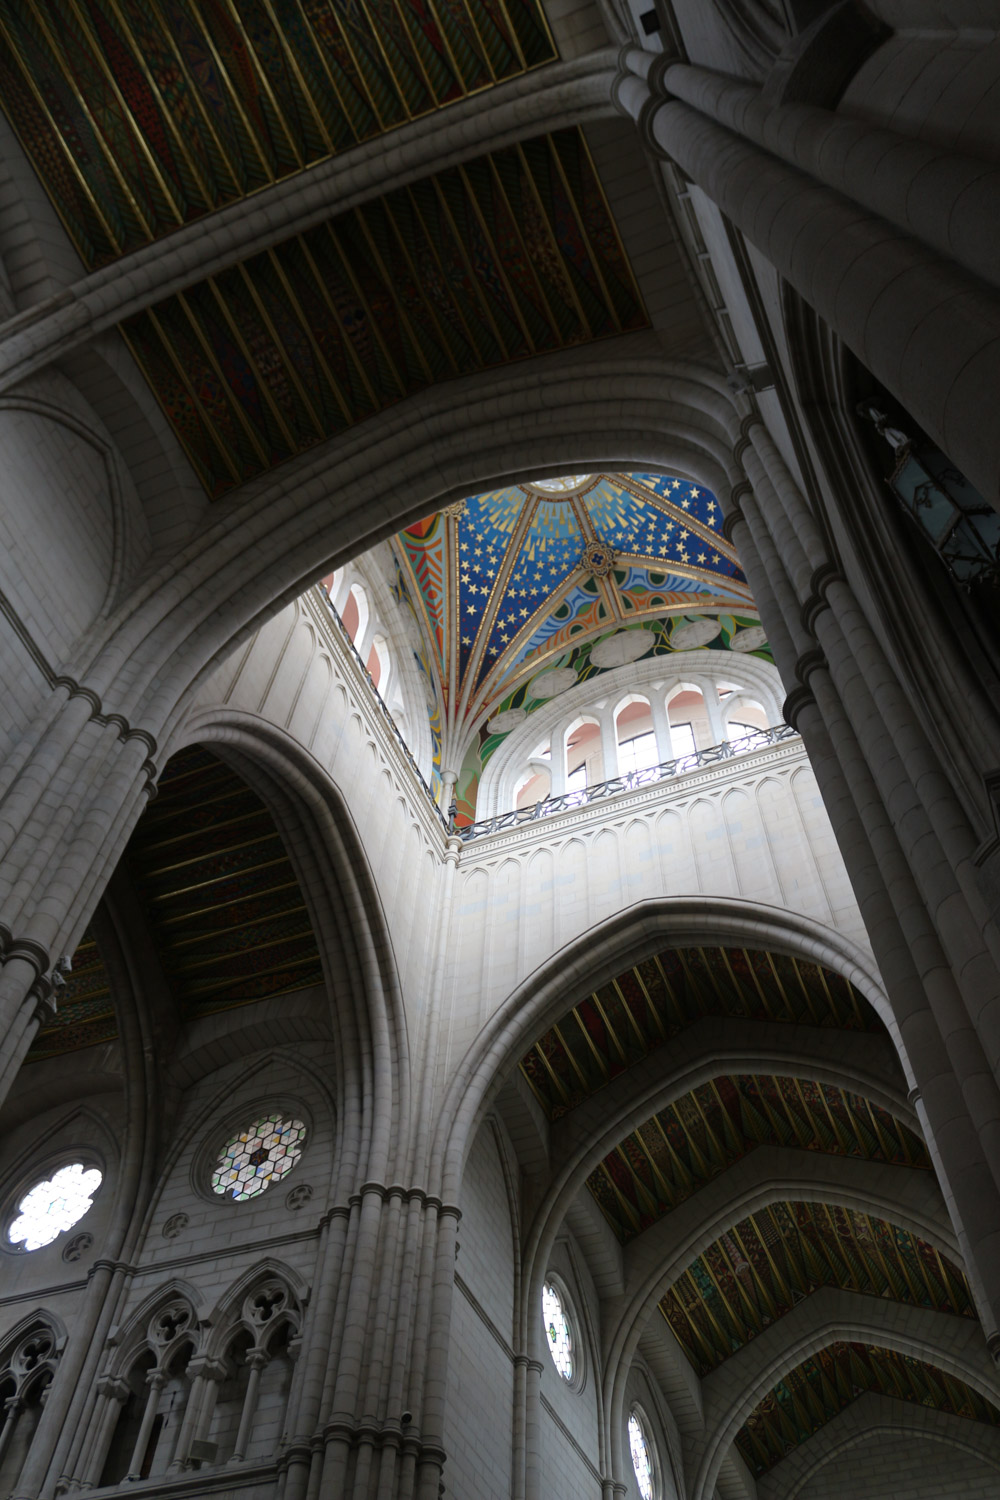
(642, 1460)
(54, 1205)
(558, 1331)
(264, 1152)
(560, 486)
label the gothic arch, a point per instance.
(909, 1332)
(593, 960)
(319, 833)
(430, 449)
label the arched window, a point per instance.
(583, 755)
(379, 664)
(558, 1331)
(689, 730)
(636, 737)
(642, 1456)
(25, 1372)
(355, 613)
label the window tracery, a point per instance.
(642, 1461)
(558, 1332)
(255, 1157)
(53, 1205)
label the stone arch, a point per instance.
(585, 962)
(826, 1445)
(430, 449)
(906, 1333)
(326, 851)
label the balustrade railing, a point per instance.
(629, 782)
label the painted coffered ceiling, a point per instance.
(814, 1392)
(769, 1262)
(507, 256)
(668, 1158)
(646, 1005)
(84, 1013)
(140, 117)
(223, 905)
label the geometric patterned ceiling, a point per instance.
(823, 1385)
(666, 1160)
(643, 1007)
(513, 582)
(766, 1264)
(225, 909)
(510, 255)
(85, 1013)
(140, 117)
(223, 904)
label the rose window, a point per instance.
(54, 1205)
(261, 1154)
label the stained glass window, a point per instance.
(642, 1461)
(54, 1205)
(261, 1154)
(559, 1333)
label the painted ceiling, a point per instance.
(507, 256)
(518, 581)
(85, 1013)
(143, 115)
(770, 1261)
(823, 1385)
(225, 909)
(641, 1009)
(671, 1156)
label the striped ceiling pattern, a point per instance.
(823, 1385)
(513, 254)
(143, 115)
(665, 1161)
(767, 1263)
(85, 1013)
(223, 903)
(623, 1021)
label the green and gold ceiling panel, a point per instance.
(143, 115)
(85, 1013)
(671, 1156)
(512, 254)
(770, 1261)
(623, 1021)
(816, 1390)
(224, 906)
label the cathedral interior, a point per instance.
(500, 749)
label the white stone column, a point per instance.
(558, 759)
(713, 709)
(256, 1359)
(155, 1381)
(661, 725)
(609, 742)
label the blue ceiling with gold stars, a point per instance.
(508, 580)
